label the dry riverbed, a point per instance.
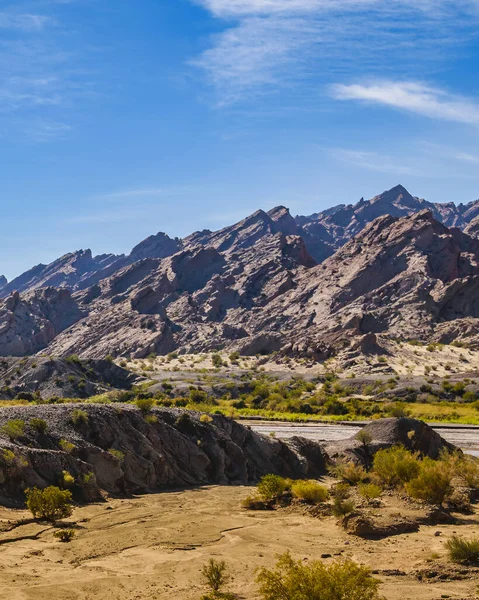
(153, 547)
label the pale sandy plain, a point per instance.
(153, 547)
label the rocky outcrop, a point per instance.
(414, 435)
(29, 323)
(47, 377)
(171, 448)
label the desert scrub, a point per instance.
(369, 491)
(294, 580)
(14, 429)
(67, 479)
(309, 491)
(151, 419)
(206, 419)
(348, 472)
(38, 425)
(215, 577)
(395, 466)
(118, 454)
(64, 535)
(145, 404)
(341, 507)
(463, 551)
(433, 483)
(66, 446)
(50, 504)
(79, 417)
(271, 487)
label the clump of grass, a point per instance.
(118, 454)
(463, 551)
(66, 446)
(39, 425)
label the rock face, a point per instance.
(177, 450)
(303, 287)
(29, 323)
(48, 377)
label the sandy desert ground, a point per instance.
(153, 547)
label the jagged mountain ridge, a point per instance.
(255, 287)
(323, 233)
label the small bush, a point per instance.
(349, 472)
(67, 479)
(463, 551)
(151, 419)
(15, 428)
(215, 577)
(342, 508)
(145, 404)
(271, 487)
(294, 580)
(64, 535)
(369, 491)
(395, 466)
(66, 446)
(118, 454)
(254, 503)
(79, 417)
(39, 425)
(206, 419)
(49, 504)
(364, 437)
(217, 360)
(309, 491)
(433, 483)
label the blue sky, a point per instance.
(120, 119)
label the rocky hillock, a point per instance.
(120, 450)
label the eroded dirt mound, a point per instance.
(119, 450)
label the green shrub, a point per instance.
(151, 419)
(395, 466)
(145, 404)
(215, 577)
(206, 419)
(49, 504)
(369, 491)
(271, 487)
(64, 535)
(15, 428)
(67, 479)
(118, 454)
(463, 551)
(349, 472)
(342, 508)
(39, 425)
(433, 483)
(66, 446)
(309, 491)
(217, 360)
(294, 580)
(79, 417)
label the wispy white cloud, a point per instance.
(268, 44)
(157, 192)
(23, 21)
(413, 97)
(372, 161)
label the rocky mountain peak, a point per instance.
(155, 246)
